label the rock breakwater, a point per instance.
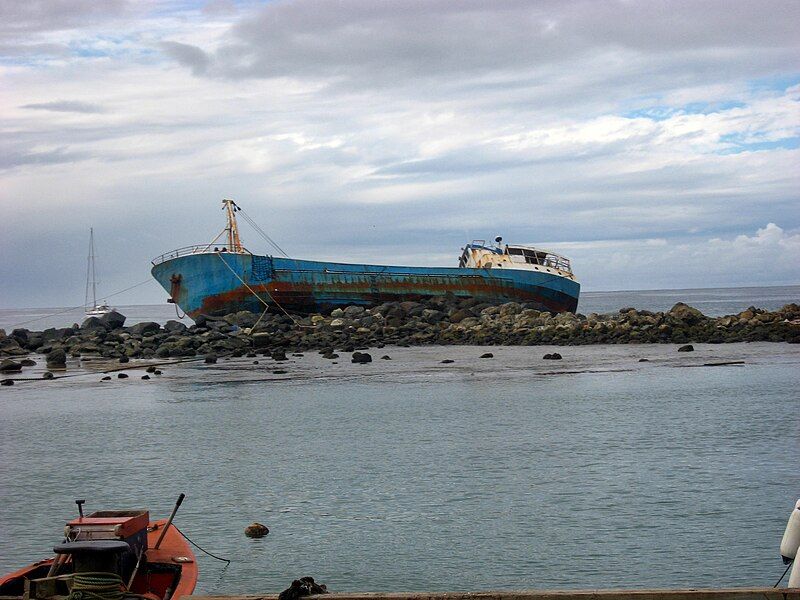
(438, 321)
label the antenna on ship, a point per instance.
(234, 243)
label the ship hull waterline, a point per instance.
(218, 283)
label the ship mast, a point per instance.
(234, 243)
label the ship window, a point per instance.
(515, 251)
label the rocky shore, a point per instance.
(439, 321)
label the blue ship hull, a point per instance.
(215, 283)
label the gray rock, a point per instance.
(686, 348)
(113, 320)
(487, 355)
(148, 327)
(10, 366)
(57, 358)
(48, 375)
(92, 323)
(361, 358)
(175, 326)
(351, 312)
(210, 359)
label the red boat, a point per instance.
(111, 554)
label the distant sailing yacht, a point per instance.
(95, 309)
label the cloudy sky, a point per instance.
(657, 144)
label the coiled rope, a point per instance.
(100, 586)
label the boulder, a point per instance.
(448, 361)
(148, 327)
(553, 356)
(10, 366)
(92, 323)
(113, 320)
(686, 348)
(460, 315)
(7, 382)
(57, 359)
(305, 586)
(27, 362)
(361, 358)
(174, 326)
(386, 357)
(122, 376)
(687, 314)
(210, 359)
(351, 312)
(48, 375)
(10, 347)
(487, 355)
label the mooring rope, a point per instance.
(264, 302)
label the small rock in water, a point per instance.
(256, 530)
(7, 382)
(297, 354)
(386, 357)
(279, 355)
(47, 375)
(553, 356)
(279, 372)
(210, 359)
(361, 358)
(27, 362)
(150, 369)
(448, 361)
(330, 355)
(122, 376)
(644, 360)
(686, 348)
(145, 376)
(106, 378)
(305, 586)
(487, 355)
(157, 372)
(255, 362)
(124, 359)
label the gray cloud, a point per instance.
(15, 158)
(29, 16)
(368, 43)
(66, 106)
(187, 55)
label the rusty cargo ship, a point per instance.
(215, 279)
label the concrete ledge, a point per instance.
(690, 594)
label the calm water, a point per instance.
(597, 471)
(711, 301)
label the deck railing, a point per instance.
(187, 250)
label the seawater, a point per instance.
(711, 301)
(407, 474)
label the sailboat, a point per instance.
(95, 309)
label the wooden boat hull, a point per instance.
(169, 572)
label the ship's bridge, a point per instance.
(479, 255)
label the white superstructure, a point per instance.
(479, 255)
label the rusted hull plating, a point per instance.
(216, 283)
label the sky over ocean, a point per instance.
(654, 143)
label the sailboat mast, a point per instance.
(91, 260)
(234, 243)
